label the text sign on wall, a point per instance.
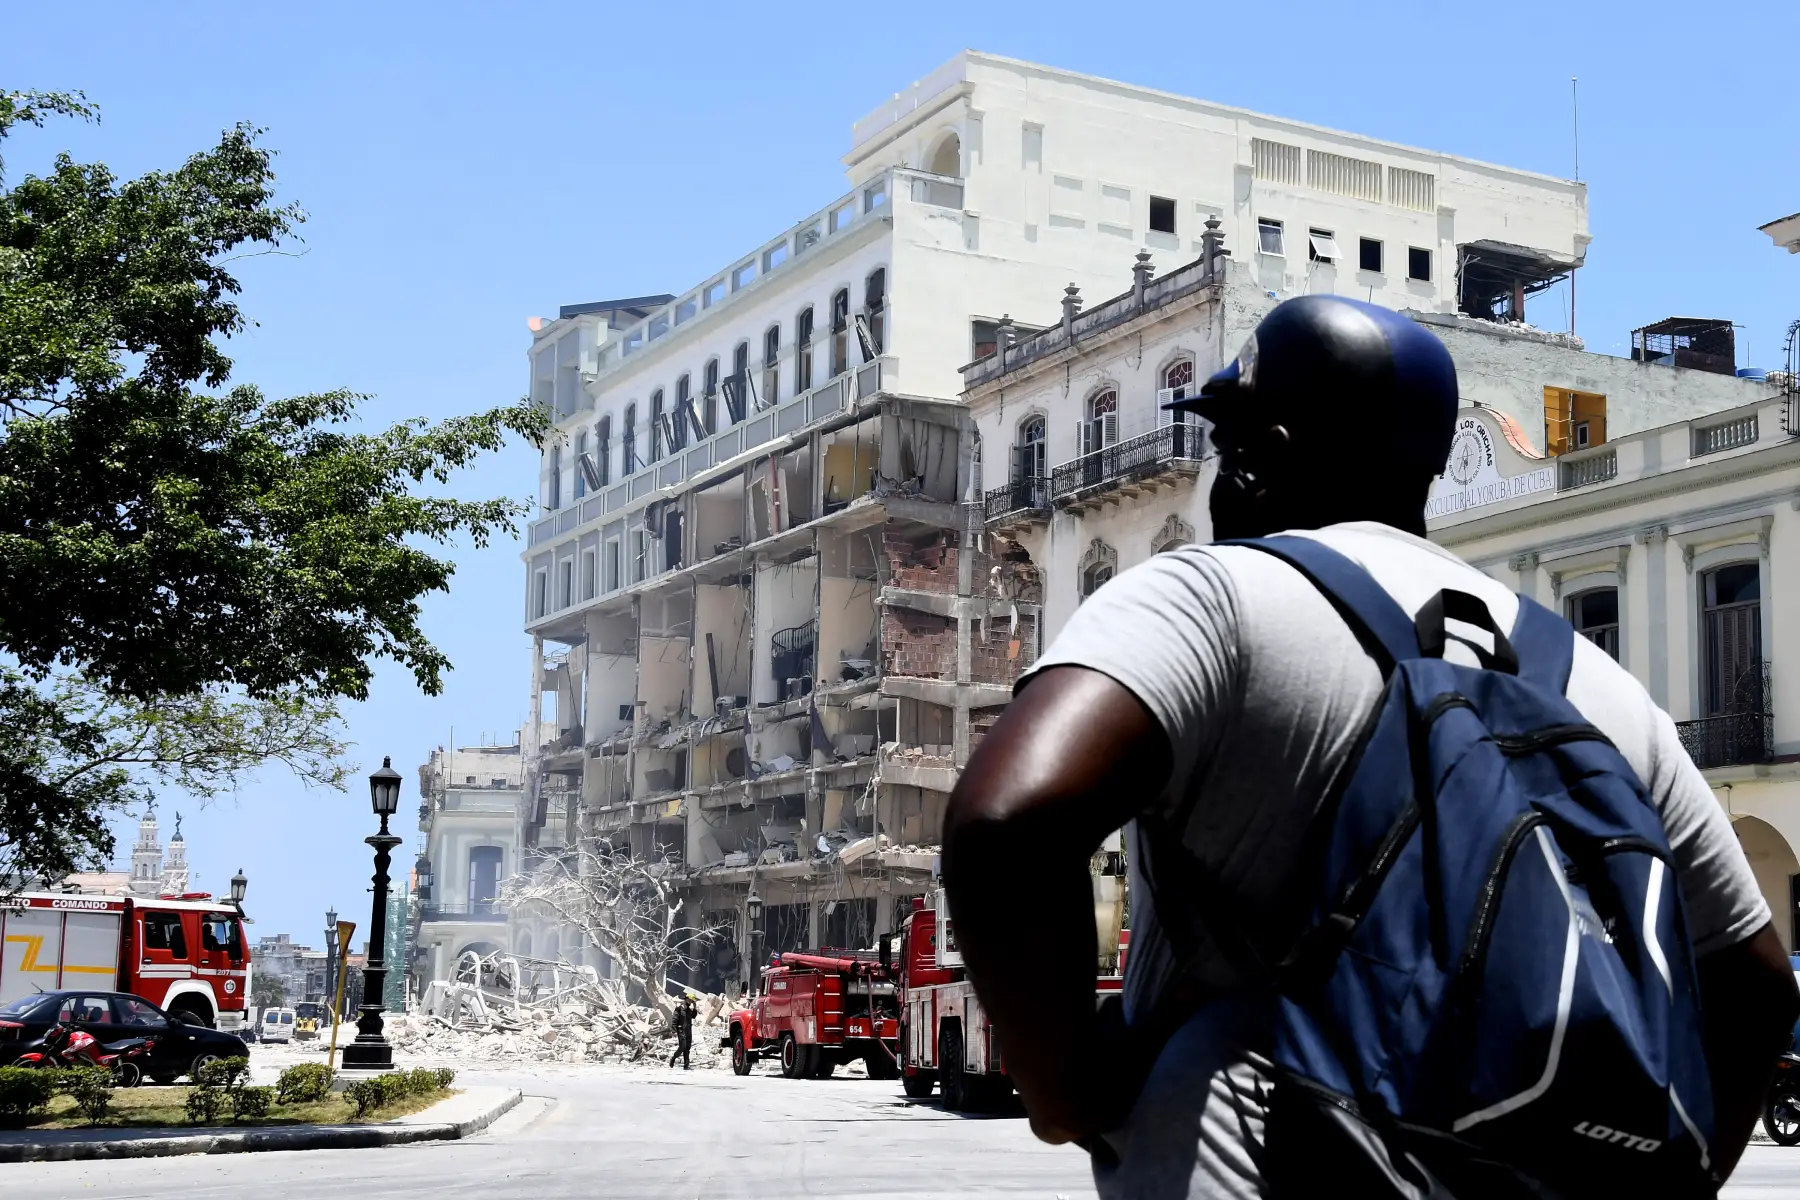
(1472, 478)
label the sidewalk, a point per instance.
(462, 1115)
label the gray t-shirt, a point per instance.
(1262, 690)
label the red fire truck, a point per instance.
(945, 1037)
(184, 954)
(816, 1012)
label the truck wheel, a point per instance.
(793, 1058)
(917, 1085)
(950, 1068)
(741, 1062)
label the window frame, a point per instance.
(1173, 211)
(1265, 225)
(1362, 255)
(1313, 237)
(1412, 262)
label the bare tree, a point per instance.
(630, 910)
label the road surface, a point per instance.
(640, 1134)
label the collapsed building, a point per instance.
(770, 606)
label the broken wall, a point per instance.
(723, 614)
(786, 599)
(662, 679)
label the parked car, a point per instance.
(182, 1048)
(277, 1025)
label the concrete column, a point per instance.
(532, 751)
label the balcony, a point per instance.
(1019, 505)
(1597, 467)
(1128, 468)
(1734, 740)
(484, 911)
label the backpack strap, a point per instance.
(1381, 625)
(1545, 644)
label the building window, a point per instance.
(640, 555)
(1418, 264)
(612, 565)
(628, 461)
(603, 451)
(771, 383)
(554, 500)
(1177, 384)
(484, 877)
(1102, 426)
(565, 583)
(1268, 237)
(540, 593)
(875, 304)
(656, 425)
(709, 397)
(683, 400)
(1099, 564)
(1731, 648)
(1031, 461)
(1369, 255)
(590, 579)
(840, 333)
(1595, 616)
(803, 351)
(740, 370)
(1162, 214)
(1321, 246)
(581, 452)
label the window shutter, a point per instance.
(1109, 429)
(1163, 415)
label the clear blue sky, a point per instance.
(467, 166)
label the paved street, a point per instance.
(641, 1134)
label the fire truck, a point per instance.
(184, 954)
(945, 1037)
(816, 1012)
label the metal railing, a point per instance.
(1021, 496)
(474, 910)
(1133, 458)
(1588, 469)
(791, 652)
(1727, 435)
(1729, 741)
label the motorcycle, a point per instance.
(1781, 1112)
(65, 1045)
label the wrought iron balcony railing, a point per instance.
(1020, 498)
(1134, 458)
(475, 910)
(1729, 741)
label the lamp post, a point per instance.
(331, 958)
(370, 1051)
(753, 911)
(239, 885)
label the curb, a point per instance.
(252, 1141)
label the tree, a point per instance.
(631, 911)
(170, 538)
(269, 993)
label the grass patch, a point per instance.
(163, 1107)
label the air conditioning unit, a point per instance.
(724, 704)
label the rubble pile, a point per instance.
(565, 1033)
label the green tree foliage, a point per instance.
(192, 574)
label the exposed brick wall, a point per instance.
(1004, 654)
(930, 567)
(917, 643)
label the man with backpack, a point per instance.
(1427, 898)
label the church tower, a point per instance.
(175, 870)
(147, 857)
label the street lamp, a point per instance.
(238, 886)
(370, 1051)
(753, 911)
(331, 963)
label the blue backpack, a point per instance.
(1494, 992)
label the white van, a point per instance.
(277, 1025)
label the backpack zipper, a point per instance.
(1489, 901)
(1515, 745)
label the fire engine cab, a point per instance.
(945, 1037)
(816, 1012)
(184, 954)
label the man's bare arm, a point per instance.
(1749, 1005)
(1074, 757)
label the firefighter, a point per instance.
(1216, 683)
(683, 1019)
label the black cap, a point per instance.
(1347, 360)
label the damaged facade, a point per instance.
(769, 620)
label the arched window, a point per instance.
(1174, 534)
(581, 452)
(709, 396)
(1030, 460)
(656, 423)
(1102, 427)
(603, 450)
(1099, 564)
(771, 386)
(553, 496)
(683, 397)
(840, 333)
(628, 461)
(803, 350)
(875, 305)
(740, 370)
(946, 159)
(1178, 379)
